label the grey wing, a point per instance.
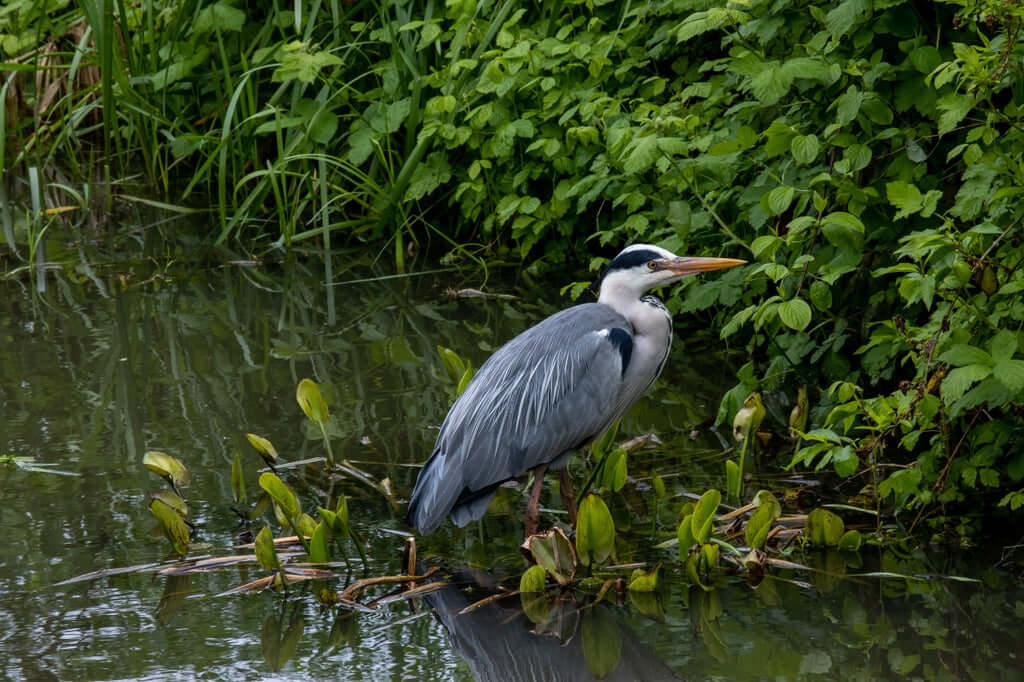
(548, 391)
(556, 387)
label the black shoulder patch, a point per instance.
(623, 341)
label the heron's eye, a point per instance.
(652, 264)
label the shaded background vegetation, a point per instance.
(865, 156)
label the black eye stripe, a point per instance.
(625, 261)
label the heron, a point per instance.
(552, 390)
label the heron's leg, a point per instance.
(533, 506)
(568, 497)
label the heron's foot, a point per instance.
(568, 496)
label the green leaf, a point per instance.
(960, 379)
(1003, 345)
(428, 176)
(925, 58)
(843, 229)
(795, 313)
(263, 446)
(595, 531)
(311, 401)
(1010, 373)
(174, 501)
(280, 493)
(644, 581)
(684, 534)
(821, 295)
(804, 148)
(534, 579)
(641, 154)
(704, 515)
(954, 108)
(733, 479)
(173, 525)
(553, 551)
(963, 354)
(298, 64)
(850, 541)
(758, 526)
(841, 18)
(765, 246)
(823, 528)
(318, 553)
(167, 467)
(266, 554)
(845, 461)
(848, 105)
(237, 479)
(613, 473)
(218, 17)
(779, 199)
(905, 197)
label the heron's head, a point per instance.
(642, 267)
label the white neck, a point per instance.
(621, 295)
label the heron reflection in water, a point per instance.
(552, 390)
(501, 644)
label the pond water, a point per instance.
(110, 361)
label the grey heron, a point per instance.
(552, 390)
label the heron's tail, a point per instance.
(440, 491)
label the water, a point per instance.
(114, 360)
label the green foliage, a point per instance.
(595, 531)
(866, 155)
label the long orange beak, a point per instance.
(692, 266)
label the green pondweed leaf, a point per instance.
(733, 478)
(304, 525)
(318, 553)
(685, 535)
(764, 498)
(759, 524)
(467, 376)
(595, 531)
(167, 467)
(173, 525)
(237, 479)
(851, 541)
(613, 473)
(312, 401)
(823, 528)
(283, 519)
(704, 515)
(173, 501)
(644, 581)
(266, 554)
(281, 493)
(264, 447)
(341, 509)
(533, 580)
(554, 552)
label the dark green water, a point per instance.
(100, 368)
